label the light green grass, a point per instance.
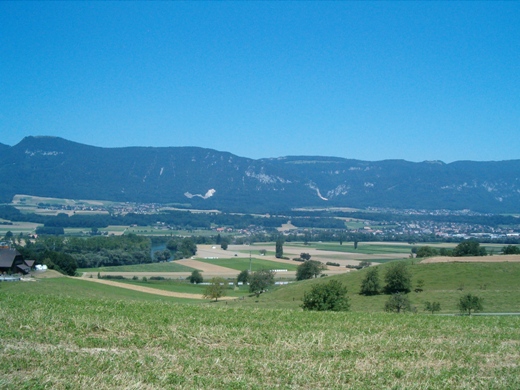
(241, 264)
(366, 248)
(151, 267)
(75, 287)
(89, 342)
(185, 287)
(496, 283)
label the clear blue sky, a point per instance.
(365, 80)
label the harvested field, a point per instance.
(206, 267)
(472, 259)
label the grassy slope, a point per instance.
(73, 287)
(497, 283)
(77, 341)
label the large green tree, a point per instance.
(196, 277)
(279, 248)
(469, 248)
(188, 248)
(163, 255)
(243, 277)
(426, 251)
(61, 262)
(326, 296)
(309, 269)
(259, 281)
(511, 250)
(370, 285)
(398, 278)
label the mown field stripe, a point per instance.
(150, 290)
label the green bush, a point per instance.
(196, 277)
(469, 302)
(370, 284)
(398, 303)
(331, 296)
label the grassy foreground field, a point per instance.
(69, 342)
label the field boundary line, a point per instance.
(150, 290)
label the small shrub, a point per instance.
(331, 263)
(216, 289)
(113, 277)
(432, 306)
(469, 302)
(398, 303)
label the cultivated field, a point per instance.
(473, 259)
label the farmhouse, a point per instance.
(12, 262)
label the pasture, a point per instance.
(106, 340)
(496, 282)
(171, 266)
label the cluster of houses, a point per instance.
(12, 262)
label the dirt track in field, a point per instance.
(473, 259)
(150, 290)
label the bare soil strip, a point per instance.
(473, 259)
(150, 290)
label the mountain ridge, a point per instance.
(56, 167)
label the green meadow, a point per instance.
(68, 339)
(497, 283)
(69, 333)
(150, 267)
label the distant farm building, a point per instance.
(12, 262)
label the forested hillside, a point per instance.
(205, 178)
